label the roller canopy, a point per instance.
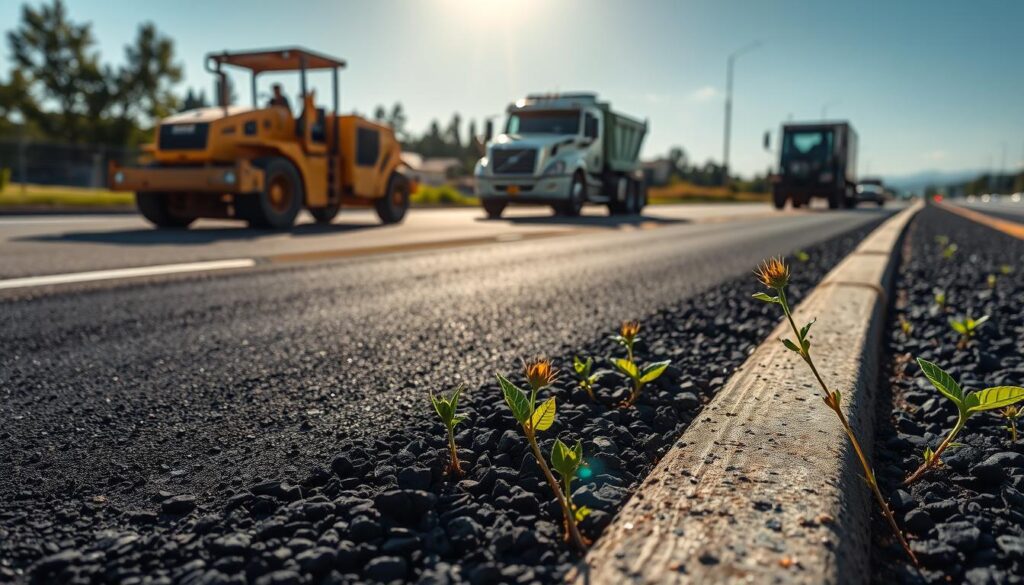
(283, 59)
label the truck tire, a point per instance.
(640, 190)
(493, 208)
(279, 202)
(628, 204)
(155, 207)
(836, 200)
(577, 196)
(325, 215)
(779, 199)
(392, 206)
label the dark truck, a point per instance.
(817, 160)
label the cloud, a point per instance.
(935, 155)
(705, 94)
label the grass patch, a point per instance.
(16, 195)
(683, 192)
(443, 195)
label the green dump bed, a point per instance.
(622, 140)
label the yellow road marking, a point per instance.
(1009, 228)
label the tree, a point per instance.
(228, 96)
(397, 122)
(380, 114)
(58, 66)
(144, 82)
(677, 156)
(451, 133)
(194, 100)
(473, 138)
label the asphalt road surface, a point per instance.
(121, 389)
(1002, 209)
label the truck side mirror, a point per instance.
(488, 130)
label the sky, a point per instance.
(929, 85)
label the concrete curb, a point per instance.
(763, 487)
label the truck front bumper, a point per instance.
(238, 178)
(524, 189)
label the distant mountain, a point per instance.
(920, 180)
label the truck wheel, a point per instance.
(835, 200)
(779, 199)
(392, 206)
(577, 195)
(155, 207)
(493, 207)
(325, 215)
(280, 201)
(627, 205)
(639, 197)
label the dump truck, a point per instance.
(563, 150)
(817, 159)
(265, 164)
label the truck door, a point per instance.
(592, 131)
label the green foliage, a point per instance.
(443, 195)
(949, 251)
(639, 375)
(567, 462)
(942, 241)
(802, 256)
(940, 299)
(966, 403)
(516, 399)
(447, 408)
(966, 327)
(906, 326)
(991, 280)
(587, 377)
(1005, 269)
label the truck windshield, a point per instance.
(808, 145)
(550, 122)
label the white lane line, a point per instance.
(119, 273)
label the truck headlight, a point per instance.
(555, 168)
(119, 177)
(481, 166)
(229, 177)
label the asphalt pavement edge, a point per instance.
(763, 486)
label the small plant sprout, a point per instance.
(966, 328)
(906, 326)
(802, 256)
(533, 418)
(991, 280)
(940, 299)
(774, 275)
(639, 376)
(447, 408)
(567, 461)
(587, 378)
(1011, 414)
(942, 241)
(967, 404)
(1005, 269)
(949, 251)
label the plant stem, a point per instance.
(1013, 430)
(574, 535)
(570, 517)
(455, 466)
(832, 400)
(935, 456)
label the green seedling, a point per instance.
(942, 241)
(587, 378)
(1011, 414)
(967, 404)
(802, 256)
(774, 275)
(447, 408)
(567, 462)
(940, 300)
(533, 419)
(966, 328)
(949, 251)
(992, 280)
(1005, 269)
(906, 326)
(639, 376)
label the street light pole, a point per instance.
(728, 105)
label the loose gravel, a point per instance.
(966, 519)
(382, 510)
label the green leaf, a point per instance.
(942, 381)
(806, 344)
(626, 367)
(806, 328)
(958, 326)
(993, 398)
(582, 367)
(544, 416)
(766, 297)
(565, 460)
(652, 371)
(928, 454)
(582, 512)
(516, 400)
(441, 406)
(790, 345)
(980, 322)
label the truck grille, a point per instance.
(183, 136)
(514, 161)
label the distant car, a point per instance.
(1016, 197)
(871, 192)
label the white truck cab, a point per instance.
(563, 150)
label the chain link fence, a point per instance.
(53, 163)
